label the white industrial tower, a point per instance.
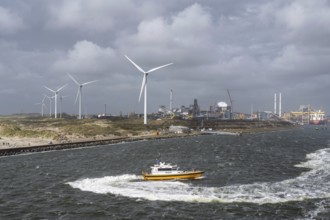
(275, 104)
(279, 104)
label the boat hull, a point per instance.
(183, 175)
(317, 122)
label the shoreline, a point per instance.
(86, 143)
(39, 147)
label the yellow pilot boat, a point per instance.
(163, 171)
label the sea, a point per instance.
(271, 175)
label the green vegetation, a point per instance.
(28, 126)
(57, 129)
(14, 130)
(90, 130)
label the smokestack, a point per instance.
(280, 105)
(171, 100)
(275, 104)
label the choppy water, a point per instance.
(278, 175)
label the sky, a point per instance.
(253, 48)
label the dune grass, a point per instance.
(15, 130)
(45, 127)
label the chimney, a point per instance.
(280, 105)
(275, 104)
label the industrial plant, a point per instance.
(221, 110)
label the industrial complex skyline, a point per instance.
(252, 48)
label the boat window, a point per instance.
(165, 169)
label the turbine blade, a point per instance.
(89, 82)
(49, 97)
(139, 68)
(149, 71)
(143, 85)
(61, 88)
(73, 79)
(49, 89)
(78, 93)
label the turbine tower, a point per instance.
(55, 95)
(79, 92)
(144, 84)
(171, 101)
(61, 97)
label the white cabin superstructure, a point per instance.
(163, 171)
(163, 168)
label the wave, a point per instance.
(314, 184)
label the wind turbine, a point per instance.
(50, 104)
(79, 92)
(55, 95)
(43, 105)
(144, 84)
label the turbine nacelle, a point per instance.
(56, 91)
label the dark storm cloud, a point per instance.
(253, 48)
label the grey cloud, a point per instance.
(253, 48)
(98, 15)
(85, 57)
(10, 22)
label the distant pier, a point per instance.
(222, 133)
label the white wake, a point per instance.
(314, 184)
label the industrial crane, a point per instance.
(231, 105)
